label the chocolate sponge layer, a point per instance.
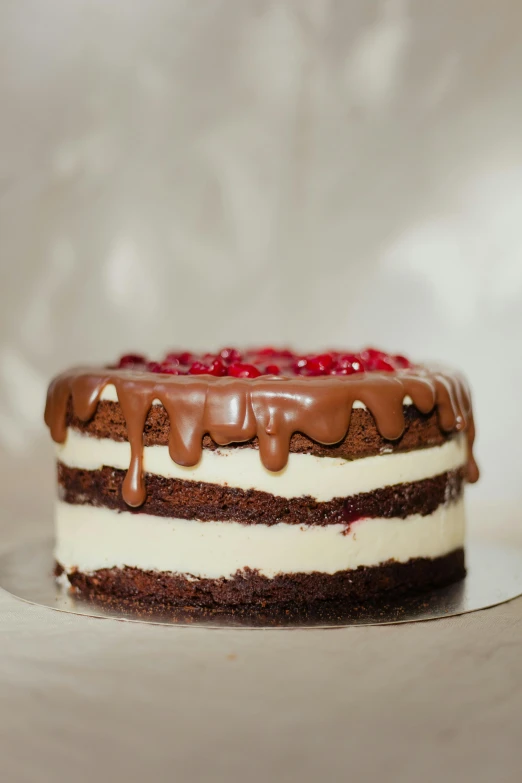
(362, 439)
(247, 587)
(180, 499)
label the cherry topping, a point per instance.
(243, 371)
(272, 369)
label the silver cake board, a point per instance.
(494, 577)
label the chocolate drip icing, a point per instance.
(234, 410)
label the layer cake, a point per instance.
(261, 477)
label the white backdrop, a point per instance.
(304, 171)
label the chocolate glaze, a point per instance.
(270, 408)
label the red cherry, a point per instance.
(243, 371)
(272, 369)
(130, 359)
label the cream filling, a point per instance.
(323, 478)
(89, 538)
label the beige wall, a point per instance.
(177, 173)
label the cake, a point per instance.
(260, 478)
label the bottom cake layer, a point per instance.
(361, 585)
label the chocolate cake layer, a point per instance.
(362, 585)
(362, 440)
(194, 500)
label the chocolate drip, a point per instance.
(234, 410)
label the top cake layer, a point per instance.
(269, 409)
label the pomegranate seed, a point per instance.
(169, 368)
(383, 365)
(268, 361)
(172, 360)
(275, 353)
(371, 354)
(350, 362)
(130, 359)
(164, 367)
(402, 362)
(230, 355)
(317, 365)
(218, 367)
(198, 368)
(243, 371)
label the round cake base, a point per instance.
(494, 576)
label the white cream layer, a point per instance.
(90, 538)
(323, 478)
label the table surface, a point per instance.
(101, 699)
